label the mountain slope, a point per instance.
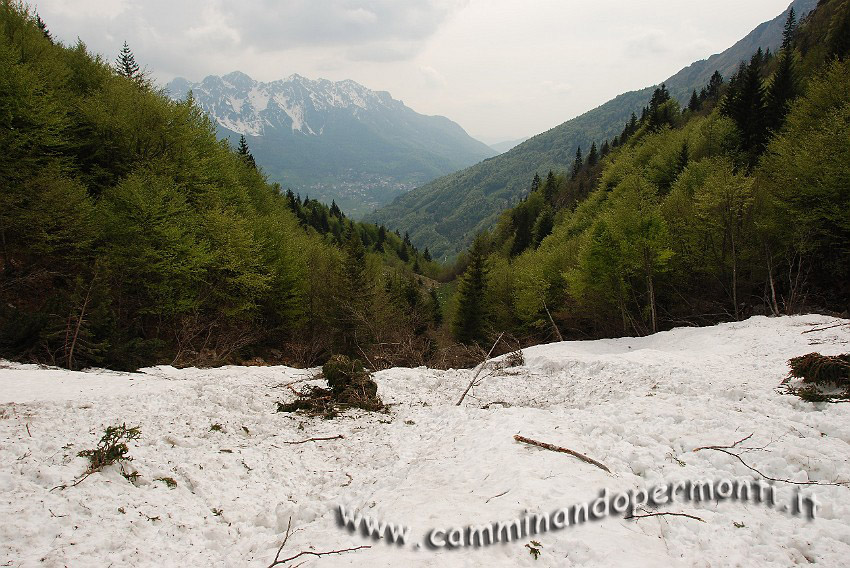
(334, 140)
(447, 213)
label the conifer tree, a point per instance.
(714, 85)
(745, 105)
(426, 254)
(605, 150)
(577, 163)
(550, 188)
(789, 30)
(694, 104)
(592, 156)
(355, 295)
(781, 91)
(468, 325)
(43, 27)
(126, 65)
(535, 183)
(245, 153)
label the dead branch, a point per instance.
(827, 327)
(497, 496)
(665, 514)
(473, 383)
(337, 437)
(309, 553)
(278, 562)
(724, 447)
(285, 538)
(371, 364)
(554, 448)
(552, 321)
(28, 430)
(65, 486)
(725, 450)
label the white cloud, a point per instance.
(501, 68)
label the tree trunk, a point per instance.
(651, 289)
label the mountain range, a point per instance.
(333, 140)
(447, 213)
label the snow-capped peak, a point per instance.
(246, 106)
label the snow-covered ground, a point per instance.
(638, 405)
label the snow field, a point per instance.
(638, 405)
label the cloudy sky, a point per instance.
(503, 69)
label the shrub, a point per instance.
(350, 385)
(822, 369)
(112, 447)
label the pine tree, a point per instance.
(335, 211)
(714, 85)
(745, 105)
(592, 156)
(126, 64)
(694, 104)
(577, 163)
(535, 183)
(245, 153)
(781, 91)
(43, 27)
(355, 295)
(605, 150)
(427, 255)
(550, 188)
(789, 31)
(468, 325)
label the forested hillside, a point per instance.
(130, 235)
(736, 205)
(447, 213)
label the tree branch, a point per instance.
(554, 448)
(337, 437)
(472, 383)
(725, 450)
(663, 514)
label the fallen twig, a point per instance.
(285, 538)
(554, 448)
(337, 437)
(724, 447)
(473, 383)
(725, 450)
(663, 514)
(827, 327)
(497, 496)
(309, 553)
(28, 430)
(278, 562)
(77, 482)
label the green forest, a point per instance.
(738, 204)
(132, 236)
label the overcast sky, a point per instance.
(503, 69)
